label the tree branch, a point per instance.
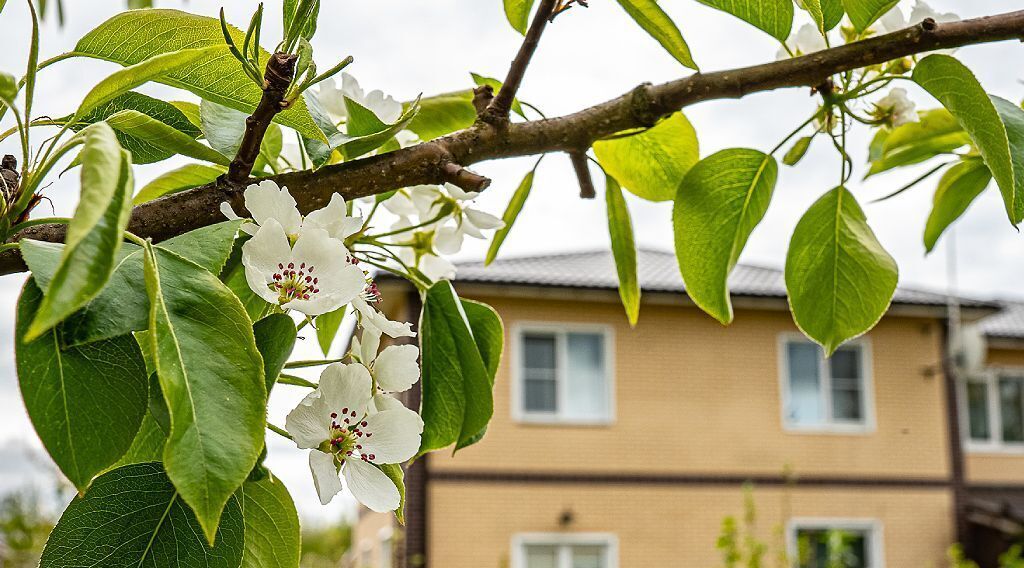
(426, 163)
(277, 78)
(582, 169)
(502, 103)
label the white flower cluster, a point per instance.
(383, 106)
(434, 220)
(896, 108)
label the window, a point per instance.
(825, 394)
(563, 375)
(564, 551)
(995, 410)
(827, 543)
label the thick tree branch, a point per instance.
(502, 103)
(427, 163)
(277, 78)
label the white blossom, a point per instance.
(267, 200)
(894, 20)
(896, 108)
(334, 423)
(394, 369)
(385, 107)
(314, 276)
(369, 317)
(807, 39)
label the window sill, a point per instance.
(831, 429)
(1005, 450)
(570, 422)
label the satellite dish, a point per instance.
(968, 348)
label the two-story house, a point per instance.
(614, 446)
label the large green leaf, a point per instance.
(132, 37)
(86, 403)
(327, 326)
(180, 179)
(154, 68)
(443, 114)
(275, 338)
(142, 151)
(958, 188)
(489, 334)
(935, 134)
(826, 13)
(863, 13)
(518, 14)
(651, 164)
(123, 305)
(211, 374)
(457, 398)
(396, 474)
(132, 517)
(515, 205)
(839, 278)
(364, 132)
(271, 525)
(956, 88)
(94, 234)
(772, 16)
(620, 229)
(649, 16)
(163, 137)
(718, 205)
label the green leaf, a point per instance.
(223, 126)
(958, 188)
(123, 305)
(489, 334)
(275, 339)
(826, 13)
(515, 205)
(94, 234)
(86, 403)
(935, 134)
(152, 69)
(1013, 118)
(651, 164)
(796, 153)
(649, 15)
(457, 397)
(148, 445)
(327, 328)
(190, 110)
(956, 88)
(309, 29)
(132, 517)
(166, 138)
(443, 114)
(772, 16)
(839, 278)
(620, 228)
(271, 525)
(518, 14)
(396, 474)
(365, 132)
(863, 13)
(132, 37)
(8, 86)
(721, 201)
(142, 151)
(211, 374)
(180, 179)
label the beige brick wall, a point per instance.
(472, 524)
(693, 396)
(366, 545)
(998, 467)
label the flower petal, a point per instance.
(448, 240)
(391, 436)
(369, 344)
(334, 219)
(370, 486)
(268, 201)
(371, 317)
(346, 386)
(325, 476)
(436, 268)
(382, 402)
(227, 211)
(309, 423)
(483, 220)
(458, 193)
(396, 368)
(261, 256)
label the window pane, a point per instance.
(539, 396)
(977, 411)
(1011, 408)
(847, 385)
(820, 548)
(846, 405)
(539, 351)
(804, 383)
(845, 363)
(588, 556)
(541, 556)
(587, 387)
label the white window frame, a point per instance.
(873, 527)
(561, 331)
(564, 541)
(867, 423)
(995, 443)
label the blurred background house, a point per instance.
(613, 446)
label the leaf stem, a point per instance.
(314, 363)
(286, 379)
(279, 431)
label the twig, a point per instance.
(463, 178)
(502, 103)
(582, 169)
(276, 80)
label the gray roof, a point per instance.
(659, 272)
(1008, 323)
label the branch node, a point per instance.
(9, 178)
(464, 179)
(482, 97)
(277, 78)
(929, 25)
(643, 107)
(582, 169)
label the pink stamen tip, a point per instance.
(334, 415)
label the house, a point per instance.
(613, 446)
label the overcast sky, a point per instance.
(408, 47)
